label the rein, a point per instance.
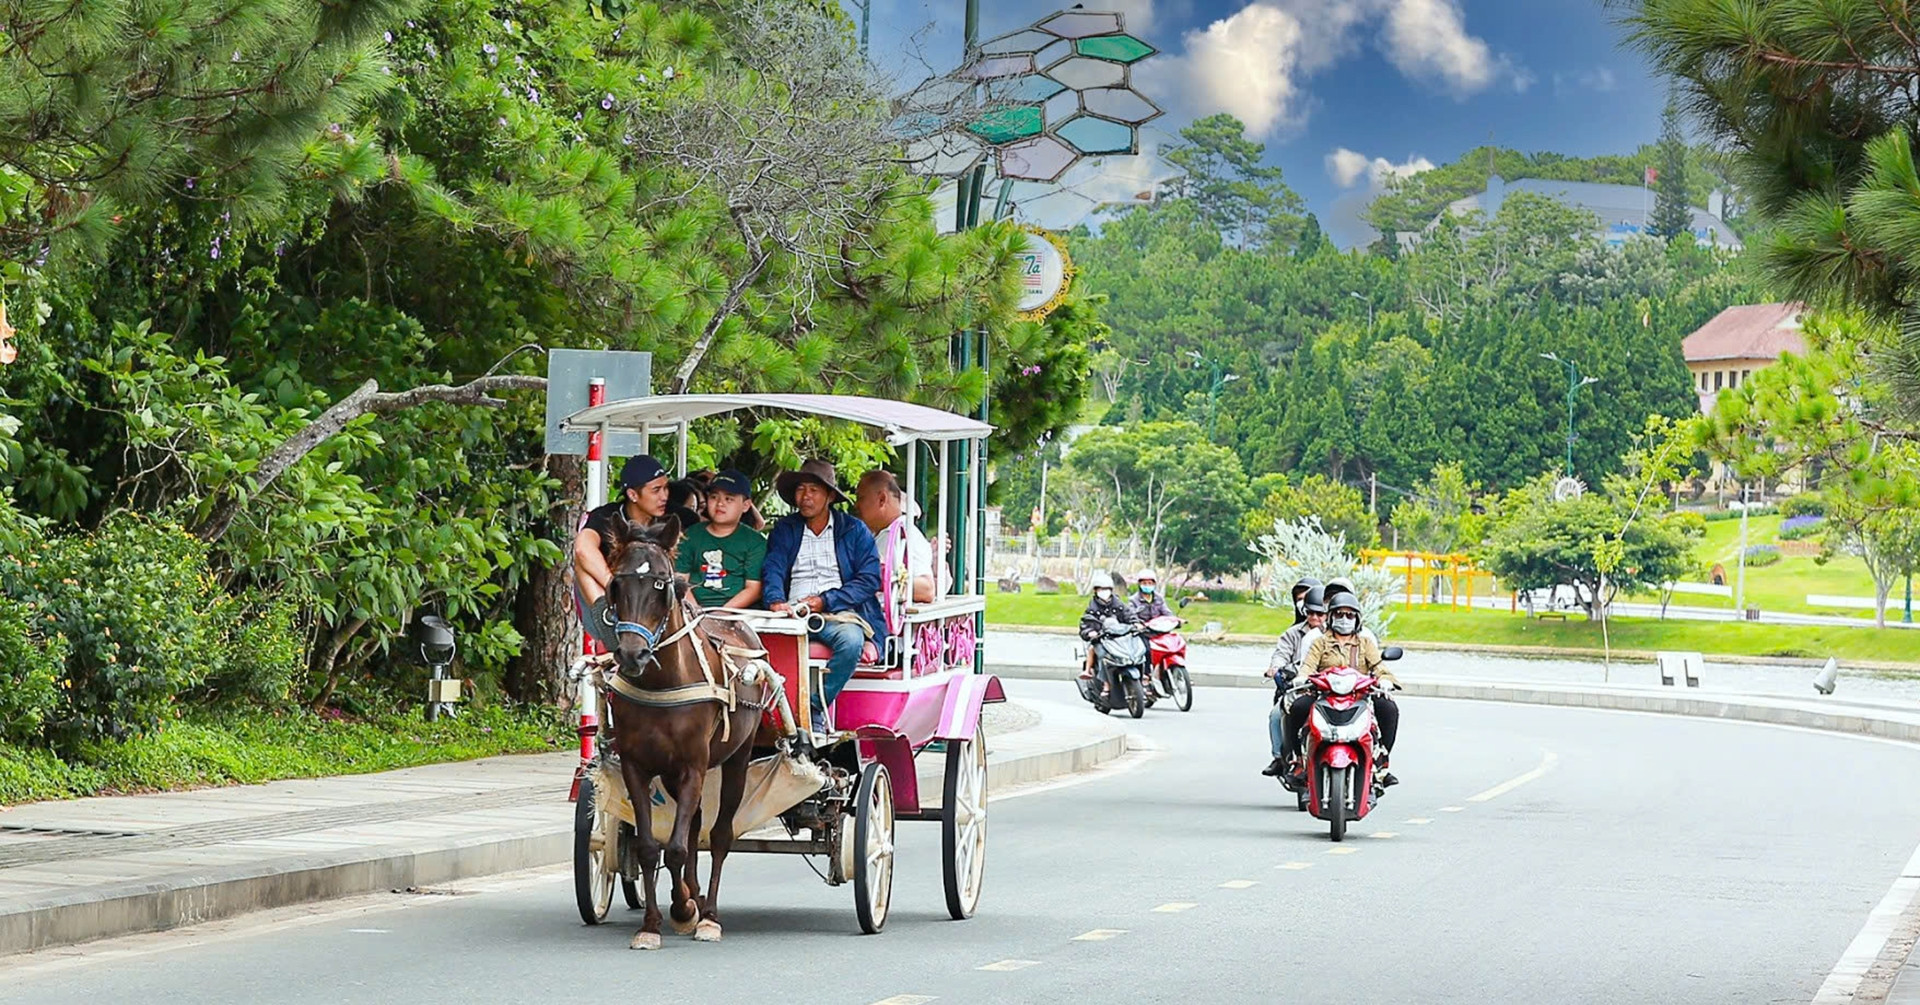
(709, 690)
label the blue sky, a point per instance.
(1345, 91)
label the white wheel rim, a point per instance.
(879, 849)
(970, 820)
(608, 852)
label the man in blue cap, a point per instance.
(643, 500)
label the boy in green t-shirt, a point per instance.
(721, 558)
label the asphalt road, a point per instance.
(1530, 855)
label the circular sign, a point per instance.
(1045, 274)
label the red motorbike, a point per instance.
(1341, 743)
(1167, 661)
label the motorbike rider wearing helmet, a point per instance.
(1147, 601)
(1101, 606)
(1299, 598)
(1282, 665)
(1345, 644)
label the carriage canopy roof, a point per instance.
(662, 413)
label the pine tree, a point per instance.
(1672, 215)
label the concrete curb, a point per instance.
(106, 911)
(1856, 719)
(1521, 652)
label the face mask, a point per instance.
(1147, 588)
(1345, 624)
(1103, 595)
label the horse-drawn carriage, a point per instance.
(835, 789)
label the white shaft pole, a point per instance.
(1740, 587)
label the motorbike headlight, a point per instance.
(1343, 682)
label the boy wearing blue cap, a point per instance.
(722, 557)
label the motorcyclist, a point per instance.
(1147, 601)
(1299, 598)
(1282, 665)
(1345, 644)
(1101, 606)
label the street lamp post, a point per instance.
(1220, 380)
(1574, 383)
(1369, 301)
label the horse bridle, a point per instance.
(664, 580)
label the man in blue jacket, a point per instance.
(821, 560)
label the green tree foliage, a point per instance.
(1244, 200)
(1184, 495)
(1441, 517)
(1823, 413)
(1340, 509)
(1540, 543)
(1413, 202)
(1819, 100)
(1672, 210)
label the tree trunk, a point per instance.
(543, 610)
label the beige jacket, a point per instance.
(1360, 652)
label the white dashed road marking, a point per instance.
(1383, 835)
(1237, 884)
(906, 1000)
(1099, 935)
(1546, 764)
(1005, 965)
(1174, 908)
(1420, 820)
(1451, 809)
(1294, 865)
(1341, 851)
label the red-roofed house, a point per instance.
(1738, 341)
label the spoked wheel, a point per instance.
(1182, 688)
(592, 882)
(1136, 697)
(963, 824)
(873, 847)
(1340, 782)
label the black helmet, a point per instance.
(1342, 600)
(1316, 602)
(1305, 583)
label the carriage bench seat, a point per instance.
(869, 656)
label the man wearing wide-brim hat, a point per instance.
(822, 560)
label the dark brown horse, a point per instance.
(671, 732)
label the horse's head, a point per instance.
(642, 593)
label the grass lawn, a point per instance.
(241, 748)
(1499, 628)
(1783, 586)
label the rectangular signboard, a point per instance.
(570, 371)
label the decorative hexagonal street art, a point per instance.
(1035, 101)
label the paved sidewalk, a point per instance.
(113, 865)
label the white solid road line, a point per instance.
(1546, 764)
(1866, 947)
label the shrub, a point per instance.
(264, 651)
(1762, 555)
(1733, 513)
(1798, 528)
(32, 663)
(1804, 504)
(140, 611)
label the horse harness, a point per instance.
(709, 690)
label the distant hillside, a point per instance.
(1413, 202)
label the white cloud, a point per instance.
(1139, 13)
(1428, 40)
(1255, 62)
(1347, 167)
(1245, 65)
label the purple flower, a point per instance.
(213, 251)
(606, 101)
(432, 50)
(667, 73)
(409, 24)
(493, 54)
(236, 56)
(503, 122)
(388, 36)
(533, 95)
(190, 184)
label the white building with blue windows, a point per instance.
(1623, 210)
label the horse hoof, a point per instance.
(686, 926)
(707, 931)
(646, 940)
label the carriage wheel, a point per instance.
(873, 847)
(592, 883)
(963, 824)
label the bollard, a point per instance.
(1828, 676)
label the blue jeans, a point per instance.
(845, 640)
(1276, 726)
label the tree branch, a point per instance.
(367, 399)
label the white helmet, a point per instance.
(1103, 580)
(1147, 573)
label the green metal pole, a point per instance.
(1572, 386)
(1908, 616)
